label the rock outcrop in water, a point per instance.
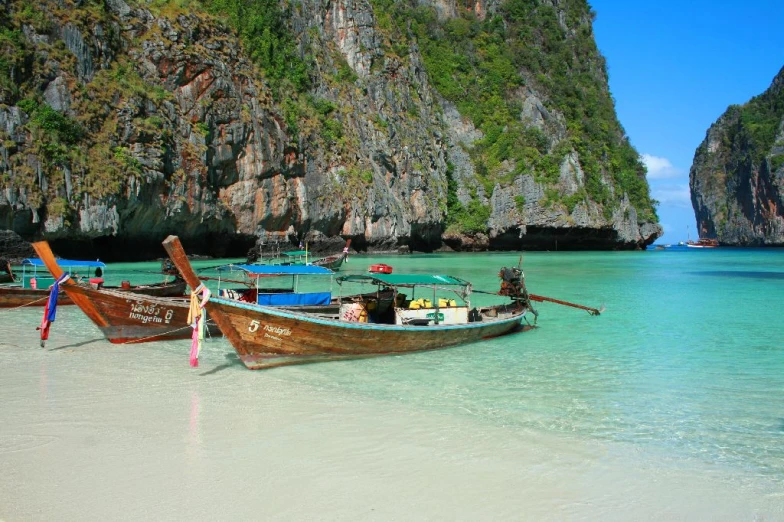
(737, 178)
(120, 125)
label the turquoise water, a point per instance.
(686, 361)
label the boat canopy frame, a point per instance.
(67, 265)
(281, 296)
(459, 287)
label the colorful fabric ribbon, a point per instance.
(197, 318)
(50, 310)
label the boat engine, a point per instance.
(168, 268)
(5, 266)
(513, 283)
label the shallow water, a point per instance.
(667, 406)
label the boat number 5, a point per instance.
(254, 325)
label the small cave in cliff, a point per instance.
(552, 238)
(425, 237)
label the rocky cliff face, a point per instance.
(120, 125)
(737, 178)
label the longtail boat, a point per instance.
(23, 293)
(30, 287)
(703, 243)
(123, 316)
(334, 262)
(300, 257)
(364, 325)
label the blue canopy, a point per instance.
(277, 270)
(68, 263)
(294, 299)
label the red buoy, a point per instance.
(380, 268)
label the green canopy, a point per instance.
(293, 253)
(404, 279)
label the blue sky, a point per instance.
(675, 67)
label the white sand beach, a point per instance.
(94, 431)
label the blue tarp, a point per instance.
(277, 270)
(65, 263)
(312, 298)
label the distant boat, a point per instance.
(335, 261)
(299, 257)
(32, 289)
(703, 243)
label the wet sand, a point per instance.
(95, 431)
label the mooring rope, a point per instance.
(142, 339)
(132, 341)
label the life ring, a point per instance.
(380, 268)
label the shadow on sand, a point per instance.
(76, 345)
(231, 360)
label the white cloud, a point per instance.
(660, 168)
(672, 195)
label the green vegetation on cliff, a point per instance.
(112, 102)
(760, 120)
(735, 178)
(482, 66)
(261, 25)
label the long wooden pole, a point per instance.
(180, 259)
(82, 301)
(541, 298)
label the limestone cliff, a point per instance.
(737, 178)
(124, 122)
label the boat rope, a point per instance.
(142, 339)
(205, 268)
(26, 304)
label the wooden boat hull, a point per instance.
(125, 317)
(703, 243)
(14, 296)
(332, 262)
(173, 289)
(266, 337)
